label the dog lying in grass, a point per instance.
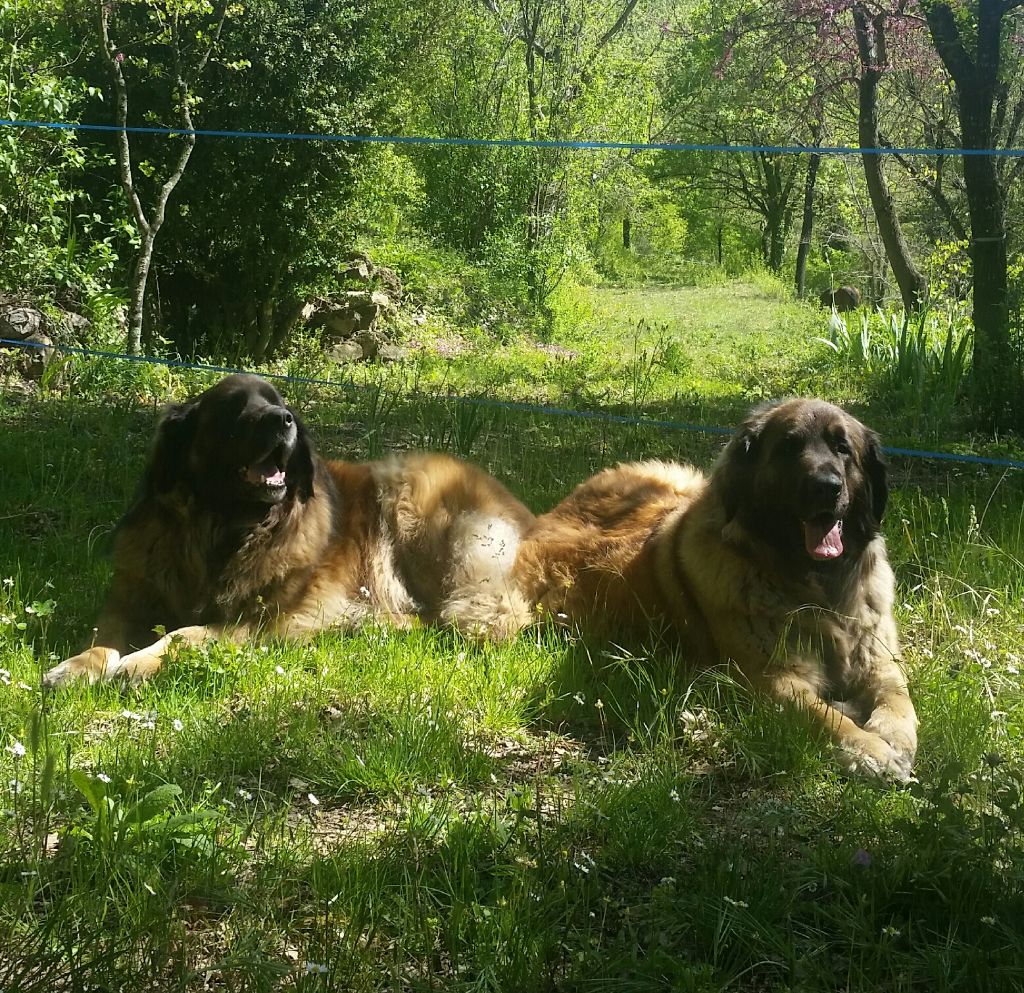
(239, 528)
(775, 562)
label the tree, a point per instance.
(752, 95)
(971, 39)
(265, 224)
(807, 224)
(187, 31)
(870, 32)
(566, 48)
(52, 234)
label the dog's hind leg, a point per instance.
(481, 599)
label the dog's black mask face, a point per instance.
(807, 477)
(237, 443)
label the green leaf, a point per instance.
(152, 804)
(94, 790)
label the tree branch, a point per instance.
(124, 154)
(949, 44)
(932, 189)
(552, 55)
(619, 24)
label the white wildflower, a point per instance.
(17, 749)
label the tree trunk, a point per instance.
(997, 376)
(137, 291)
(287, 318)
(149, 225)
(627, 232)
(870, 32)
(807, 224)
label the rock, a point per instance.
(360, 268)
(75, 324)
(339, 325)
(369, 342)
(18, 323)
(842, 298)
(346, 351)
(28, 325)
(392, 353)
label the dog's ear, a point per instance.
(735, 465)
(876, 476)
(168, 458)
(301, 468)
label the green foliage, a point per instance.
(54, 234)
(920, 360)
(124, 835)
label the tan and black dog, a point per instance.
(240, 528)
(775, 562)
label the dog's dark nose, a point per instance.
(278, 417)
(826, 485)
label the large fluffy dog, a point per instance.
(239, 528)
(775, 562)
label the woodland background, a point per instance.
(213, 247)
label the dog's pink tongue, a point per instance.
(823, 541)
(265, 473)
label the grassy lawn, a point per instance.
(408, 811)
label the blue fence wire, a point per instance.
(511, 143)
(518, 406)
(631, 146)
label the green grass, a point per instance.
(407, 811)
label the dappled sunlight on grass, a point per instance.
(382, 810)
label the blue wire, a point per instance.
(516, 405)
(667, 146)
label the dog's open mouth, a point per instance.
(269, 471)
(823, 538)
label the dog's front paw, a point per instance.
(138, 666)
(92, 665)
(875, 758)
(899, 733)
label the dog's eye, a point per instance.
(843, 447)
(791, 444)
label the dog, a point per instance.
(775, 562)
(239, 529)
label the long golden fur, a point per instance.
(774, 562)
(239, 529)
